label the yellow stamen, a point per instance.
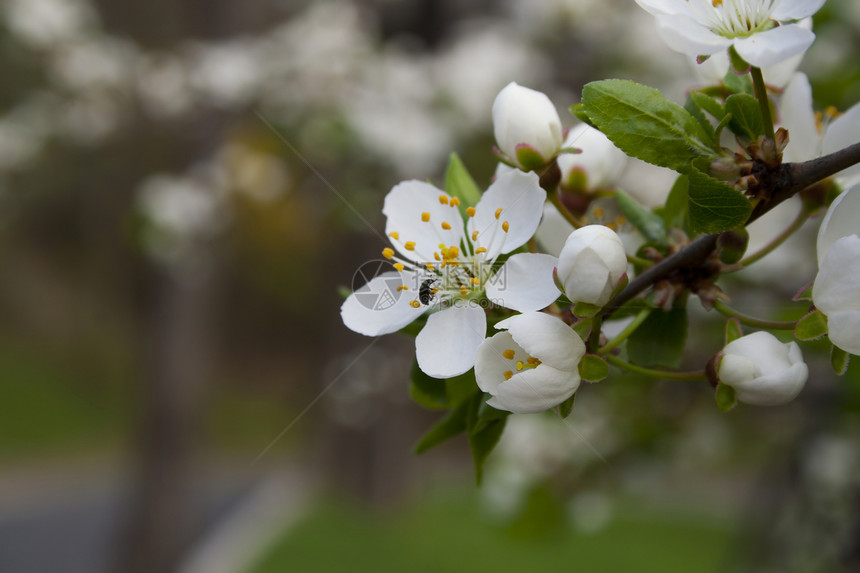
(509, 354)
(455, 202)
(453, 252)
(480, 250)
(415, 304)
(508, 375)
(505, 226)
(434, 290)
(409, 246)
(437, 257)
(443, 199)
(394, 235)
(475, 281)
(498, 212)
(470, 211)
(387, 252)
(474, 236)
(464, 291)
(402, 288)
(520, 365)
(598, 212)
(425, 216)
(446, 225)
(399, 266)
(532, 360)
(429, 266)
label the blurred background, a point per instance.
(184, 185)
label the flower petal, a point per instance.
(447, 344)
(379, 307)
(553, 230)
(775, 45)
(601, 161)
(491, 362)
(842, 220)
(842, 132)
(686, 35)
(406, 207)
(518, 199)
(795, 9)
(837, 286)
(776, 389)
(524, 283)
(797, 117)
(843, 328)
(535, 390)
(547, 338)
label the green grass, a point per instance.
(450, 534)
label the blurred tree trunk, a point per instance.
(165, 507)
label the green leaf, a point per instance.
(585, 310)
(804, 294)
(453, 424)
(646, 221)
(715, 206)
(659, 341)
(746, 116)
(593, 368)
(675, 212)
(839, 360)
(485, 425)
(528, 158)
(565, 408)
(459, 184)
(644, 124)
(426, 391)
(710, 104)
(693, 109)
(578, 110)
(811, 327)
(583, 327)
(738, 84)
(725, 397)
(733, 330)
(633, 307)
(738, 64)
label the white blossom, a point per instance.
(532, 366)
(448, 267)
(764, 32)
(599, 161)
(837, 286)
(762, 370)
(526, 123)
(812, 135)
(591, 264)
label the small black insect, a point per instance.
(425, 292)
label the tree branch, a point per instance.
(787, 180)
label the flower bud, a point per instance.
(762, 370)
(527, 127)
(591, 264)
(598, 165)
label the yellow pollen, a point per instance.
(437, 257)
(441, 245)
(453, 252)
(475, 281)
(509, 354)
(446, 225)
(470, 211)
(520, 365)
(409, 246)
(434, 290)
(598, 212)
(480, 250)
(455, 202)
(394, 235)
(498, 212)
(532, 360)
(717, 3)
(429, 266)
(509, 375)
(425, 216)
(474, 236)
(415, 304)
(612, 226)
(443, 199)
(505, 226)
(398, 266)
(387, 252)
(402, 288)
(464, 291)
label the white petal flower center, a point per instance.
(734, 18)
